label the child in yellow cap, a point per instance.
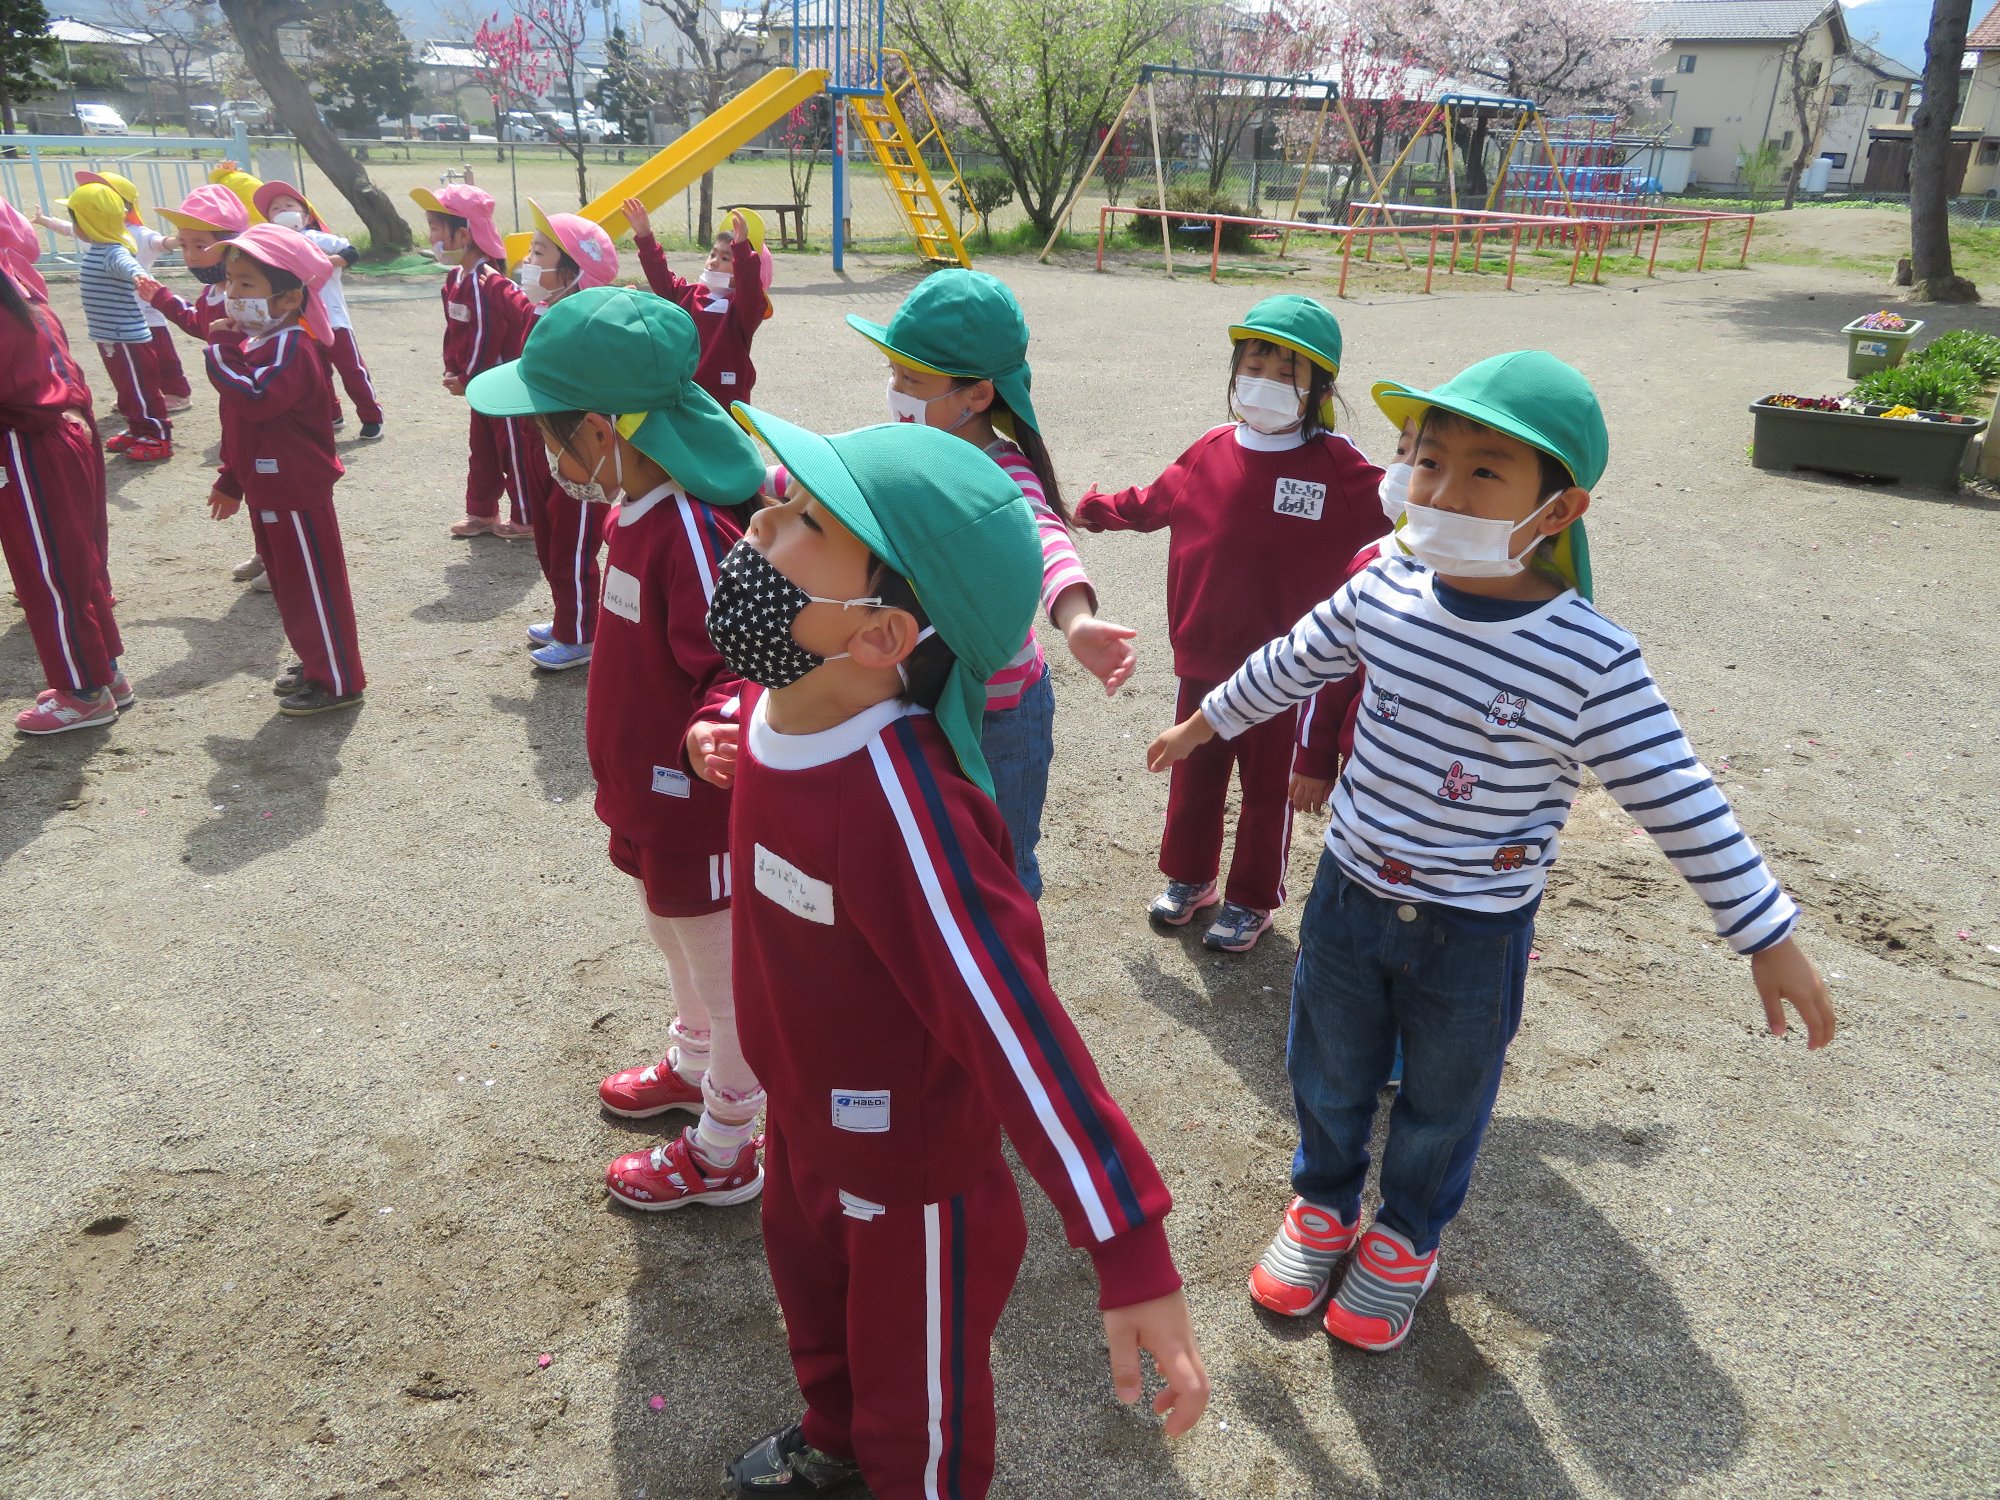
(117, 320)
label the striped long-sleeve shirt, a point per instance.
(111, 307)
(1471, 744)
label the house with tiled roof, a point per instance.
(1726, 74)
(1974, 167)
(1870, 90)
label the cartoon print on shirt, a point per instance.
(1507, 712)
(1510, 857)
(1387, 705)
(1458, 783)
(1394, 872)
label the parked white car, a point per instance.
(520, 125)
(101, 119)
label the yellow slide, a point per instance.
(699, 150)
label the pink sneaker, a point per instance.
(61, 712)
(121, 691)
(672, 1175)
(641, 1093)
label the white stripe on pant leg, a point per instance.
(576, 565)
(367, 380)
(726, 891)
(515, 489)
(132, 374)
(933, 1346)
(714, 878)
(19, 459)
(1285, 852)
(319, 606)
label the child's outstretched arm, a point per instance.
(940, 906)
(1321, 649)
(653, 259)
(746, 286)
(54, 225)
(1628, 735)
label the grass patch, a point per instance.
(1025, 239)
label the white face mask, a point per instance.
(1462, 546)
(530, 276)
(251, 314)
(908, 408)
(1269, 406)
(1396, 490)
(717, 281)
(291, 218)
(588, 491)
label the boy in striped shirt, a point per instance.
(1491, 685)
(117, 320)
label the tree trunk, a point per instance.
(1930, 160)
(255, 23)
(704, 214)
(1475, 158)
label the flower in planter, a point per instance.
(1807, 403)
(1883, 322)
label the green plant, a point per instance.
(986, 190)
(1979, 352)
(1941, 384)
(1760, 170)
(1193, 198)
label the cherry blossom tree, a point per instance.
(558, 29)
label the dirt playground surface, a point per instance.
(300, 1155)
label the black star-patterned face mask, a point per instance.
(750, 619)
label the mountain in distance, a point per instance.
(1898, 27)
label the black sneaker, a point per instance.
(290, 681)
(315, 698)
(370, 431)
(786, 1464)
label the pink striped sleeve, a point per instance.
(1061, 568)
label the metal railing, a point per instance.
(39, 170)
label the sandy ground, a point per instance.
(299, 1157)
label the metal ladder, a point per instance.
(885, 121)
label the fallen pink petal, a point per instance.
(658, 1403)
(544, 1362)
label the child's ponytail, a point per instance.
(1033, 449)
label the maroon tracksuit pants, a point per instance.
(173, 379)
(568, 536)
(890, 1315)
(49, 499)
(1198, 800)
(135, 373)
(302, 552)
(495, 465)
(345, 357)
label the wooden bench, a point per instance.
(791, 231)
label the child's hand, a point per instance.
(145, 286)
(1309, 793)
(711, 751)
(1104, 649)
(636, 216)
(738, 230)
(171, 242)
(1178, 743)
(222, 328)
(220, 506)
(1162, 1329)
(226, 166)
(1783, 972)
(455, 384)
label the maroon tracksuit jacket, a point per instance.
(1263, 529)
(475, 340)
(727, 322)
(892, 994)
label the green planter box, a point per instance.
(1929, 451)
(1872, 349)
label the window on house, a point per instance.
(1786, 143)
(1659, 87)
(1810, 75)
(1839, 95)
(1703, 134)
(1686, 63)
(1989, 153)
(1838, 158)
(1888, 99)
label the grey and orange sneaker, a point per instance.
(1297, 1267)
(1379, 1294)
(1236, 929)
(1177, 904)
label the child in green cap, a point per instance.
(958, 361)
(892, 986)
(1266, 512)
(1491, 684)
(608, 377)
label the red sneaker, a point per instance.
(1297, 1267)
(149, 450)
(672, 1175)
(641, 1093)
(119, 443)
(1378, 1296)
(60, 712)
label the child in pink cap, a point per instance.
(281, 203)
(277, 453)
(459, 217)
(567, 254)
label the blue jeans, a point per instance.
(1019, 743)
(1450, 983)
